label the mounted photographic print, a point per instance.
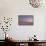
(25, 19)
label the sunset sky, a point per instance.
(25, 19)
